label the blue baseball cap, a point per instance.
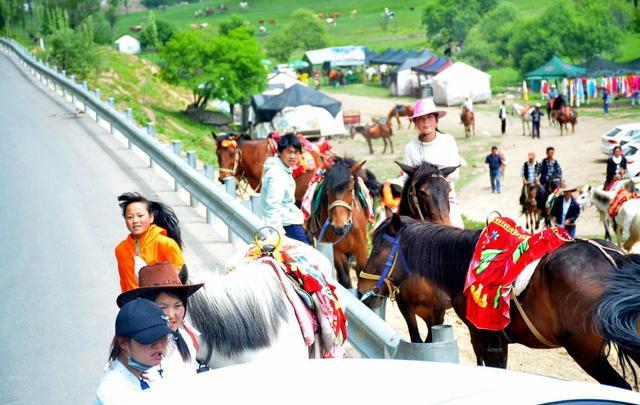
(143, 321)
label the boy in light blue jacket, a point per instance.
(278, 190)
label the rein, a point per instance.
(236, 162)
(327, 222)
(389, 266)
(413, 195)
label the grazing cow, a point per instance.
(272, 21)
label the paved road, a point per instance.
(59, 220)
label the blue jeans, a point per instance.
(296, 232)
(606, 108)
(495, 181)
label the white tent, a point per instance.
(304, 118)
(277, 82)
(452, 85)
(128, 44)
(338, 56)
(404, 81)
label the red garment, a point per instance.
(622, 196)
(502, 252)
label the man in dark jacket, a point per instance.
(565, 211)
(550, 169)
(536, 116)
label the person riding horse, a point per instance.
(530, 177)
(550, 180)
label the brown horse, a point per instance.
(580, 297)
(342, 217)
(244, 159)
(469, 122)
(425, 196)
(564, 116)
(530, 206)
(401, 110)
(374, 131)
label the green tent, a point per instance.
(555, 68)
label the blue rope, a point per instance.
(324, 229)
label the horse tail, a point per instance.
(618, 310)
(166, 218)
(634, 233)
(372, 183)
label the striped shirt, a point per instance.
(530, 171)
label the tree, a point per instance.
(225, 67)
(233, 23)
(9, 13)
(73, 50)
(477, 51)
(304, 31)
(449, 21)
(599, 28)
(149, 34)
(532, 45)
(165, 31)
(100, 27)
(496, 28)
(78, 10)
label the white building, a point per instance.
(128, 44)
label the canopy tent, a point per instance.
(368, 55)
(398, 57)
(599, 66)
(338, 56)
(633, 66)
(277, 82)
(294, 96)
(382, 57)
(458, 81)
(433, 65)
(555, 68)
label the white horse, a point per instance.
(627, 220)
(244, 314)
(524, 114)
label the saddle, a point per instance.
(501, 255)
(622, 196)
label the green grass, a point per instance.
(504, 77)
(630, 50)
(359, 89)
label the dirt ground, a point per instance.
(581, 161)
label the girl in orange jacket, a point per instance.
(154, 238)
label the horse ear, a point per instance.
(395, 224)
(406, 168)
(356, 168)
(214, 135)
(236, 137)
(448, 170)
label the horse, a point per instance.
(549, 106)
(244, 159)
(374, 131)
(469, 122)
(341, 217)
(425, 196)
(626, 223)
(564, 116)
(580, 297)
(400, 110)
(245, 316)
(530, 207)
(524, 112)
(545, 198)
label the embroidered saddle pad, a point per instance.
(500, 256)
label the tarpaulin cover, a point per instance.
(296, 95)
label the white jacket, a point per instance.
(279, 196)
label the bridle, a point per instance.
(230, 143)
(348, 223)
(385, 277)
(413, 195)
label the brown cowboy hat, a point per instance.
(161, 276)
(569, 189)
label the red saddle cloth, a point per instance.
(622, 196)
(503, 251)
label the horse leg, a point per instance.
(368, 138)
(397, 119)
(385, 146)
(409, 314)
(391, 144)
(476, 343)
(589, 356)
(342, 269)
(473, 127)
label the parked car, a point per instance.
(619, 136)
(631, 152)
(355, 381)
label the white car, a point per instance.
(620, 135)
(631, 152)
(366, 381)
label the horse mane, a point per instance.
(239, 310)
(438, 252)
(338, 176)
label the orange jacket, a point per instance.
(154, 247)
(388, 200)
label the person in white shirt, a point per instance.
(434, 147)
(468, 104)
(502, 114)
(160, 283)
(140, 343)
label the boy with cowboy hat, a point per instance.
(565, 211)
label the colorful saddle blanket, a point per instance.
(306, 162)
(501, 254)
(622, 196)
(312, 296)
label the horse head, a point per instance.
(228, 153)
(383, 271)
(426, 193)
(341, 187)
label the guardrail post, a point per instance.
(208, 173)
(64, 89)
(256, 205)
(97, 94)
(192, 161)
(128, 115)
(230, 184)
(73, 93)
(326, 248)
(443, 348)
(176, 146)
(55, 86)
(85, 87)
(111, 103)
(151, 131)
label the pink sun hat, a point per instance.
(426, 106)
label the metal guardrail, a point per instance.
(368, 334)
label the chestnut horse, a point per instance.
(580, 297)
(564, 116)
(401, 110)
(341, 217)
(469, 122)
(425, 196)
(244, 159)
(374, 131)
